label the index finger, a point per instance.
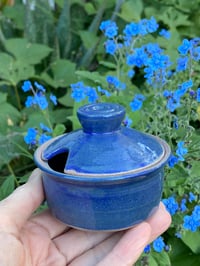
(18, 207)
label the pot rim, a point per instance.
(104, 177)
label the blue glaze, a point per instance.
(101, 117)
(103, 146)
(112, 177)
(111, 206)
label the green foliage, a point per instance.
(58, 47)
(192, 240)
(131, 10)
(7, 187)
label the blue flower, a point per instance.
(111, 47)
(196, 53)
(92, 95)
(181, 151)
(192, 197)
(181, 91)
(198, 95)
(26, 86)
(138, 58)
(171, 205)
(31, 135)
(196, 213)
(175, 124)
(137, 102)
(39, 86)
(131, 73)
(153, 48)
(45, 128)
(167, 93)
(29, 101)
(158, 61)
(53, 99)
(158, 244)
(113, 81)
(147, 249)
(182, 64)
(131, 30)
(78, 91)
(152, 25)
(187, 84)
(183, 207)
(165, 33)
(109, 28)
(178, 235)
(41, 101)
(103, 91)
(173, 104)
(192, 94)
(136, 105)
(127, 121)
(43, 138)
(190, 223)
(167, 248)
(173, 160)
(184, 47)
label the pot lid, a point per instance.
(104, 146)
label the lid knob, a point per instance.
(101, 117)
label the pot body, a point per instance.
(104, 176)
(108, 206)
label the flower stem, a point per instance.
(13, 174)
(17, 98)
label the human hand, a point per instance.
(42, 240)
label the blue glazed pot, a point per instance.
(104, 176)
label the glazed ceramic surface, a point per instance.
(103, 176)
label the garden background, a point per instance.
(58, 55)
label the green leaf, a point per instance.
(176, 177)
(178, 248)
(90, 9)
(173, 18)
(192, 240)
(64, 72)
(108, 64)
(3, 97)
(60, 3)
(13, 71)
(74, 119)
(67, 100)
(6, 67)
(181, 254)
(26, 52)
(95, 77)
(88, 38)
(64, 28)
(195, 169)
(131, 10)
(161, 258)
(34, 119)
(58, 130)
(152, 261)
(7, 187)
(9, 116)
(186, 260)
(8, 150)
(60, 115)
(16, 14)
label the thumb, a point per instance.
(17, 208)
